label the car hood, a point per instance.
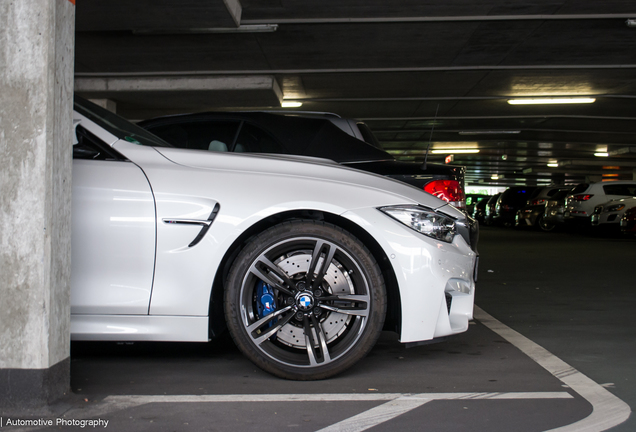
(315, 168)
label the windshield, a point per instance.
(561, 194)
(118, 126)
(623, 189)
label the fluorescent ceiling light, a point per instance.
(553, 165)
(601, 154)
(494, 177)
(452, 150)
(488, 132)
(538, 101)
(291, 104)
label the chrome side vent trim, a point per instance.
(205, 224)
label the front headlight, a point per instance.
(425, 221)
(615, 207)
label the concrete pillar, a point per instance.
(36, 90)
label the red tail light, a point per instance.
(581, 197)
(448, 190)
(537, 202)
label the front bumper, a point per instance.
(605, 218)
(628, 226)
(436, 280)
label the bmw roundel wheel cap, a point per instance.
(305, 302)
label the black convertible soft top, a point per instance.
(307, 136)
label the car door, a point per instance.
(113, 231)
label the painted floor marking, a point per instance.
(607, 410)
(406, 403)
(377, 415)
(396, 403)
(135, 400)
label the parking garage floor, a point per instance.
(552, 347)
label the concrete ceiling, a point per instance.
(406, 67)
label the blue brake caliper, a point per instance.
(266, 302)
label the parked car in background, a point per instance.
(628, 222)
(472, 200)
(532, 214)
(322, 135)
(555, 208)
(580, 204)
(510, 201)
(609, 215)
(304, 262)
(479, 210)
(490, 209)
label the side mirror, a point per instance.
(75, 123)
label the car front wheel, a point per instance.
(305, 300)
(545, 226)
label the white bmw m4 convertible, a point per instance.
(304, 261)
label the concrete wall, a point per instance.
(36, 85)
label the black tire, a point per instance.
(317, 327)
(543, 225)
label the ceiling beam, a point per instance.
(108, 86)
(597, 162)
(541, 17)
(360, 70)
(540, 116)
(536, 170)
(121, 15)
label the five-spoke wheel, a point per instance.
(305, 300)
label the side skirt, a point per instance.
(139, 328)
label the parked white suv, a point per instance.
(580, 204)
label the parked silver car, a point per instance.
(533, 214)
(554, 210)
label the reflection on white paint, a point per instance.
(419, 258)
(128, 287)
(117, 290)
(131, 219)
(230, 220)
(132, 199)
(122, 330)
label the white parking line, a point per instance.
(406, 403)
(607, 410)
(397, 403)
(134, 400)
(377, 415)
